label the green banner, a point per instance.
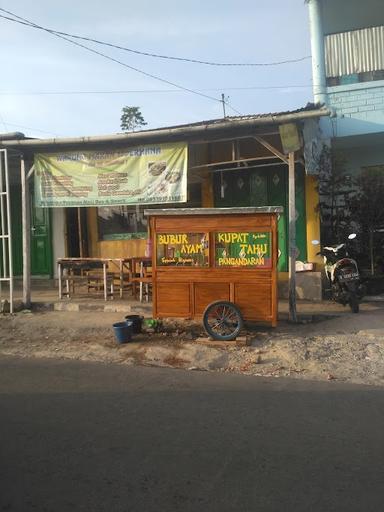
(238, 249)
(141, 175)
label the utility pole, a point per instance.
(292, 237)
(223, 102)
(26, 234)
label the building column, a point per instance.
(313, 218)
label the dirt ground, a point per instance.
(330, 344)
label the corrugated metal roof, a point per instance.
(250, 117)
(187, 132)
(357, 51)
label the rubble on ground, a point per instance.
(346, 347)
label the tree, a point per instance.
(367, 208)
(131, 119)
(335, 189)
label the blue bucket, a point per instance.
(123, 331)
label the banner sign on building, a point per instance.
(152, 174)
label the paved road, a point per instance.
(93, 437)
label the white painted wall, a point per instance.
(359, 108)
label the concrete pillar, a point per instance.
(26, 234)
(318, 51)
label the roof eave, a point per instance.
(163, 134)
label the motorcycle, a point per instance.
(343, 274)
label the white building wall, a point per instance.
(359, 108)
(58, 236)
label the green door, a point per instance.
(231, 189)
(278, 197)
(41, 244)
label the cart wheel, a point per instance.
(222, 320)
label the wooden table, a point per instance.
(88, 264)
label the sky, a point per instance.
(52, 88)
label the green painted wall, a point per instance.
(41, 246)
(266, 187)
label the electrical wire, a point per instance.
(145, 73)
(154, 91)
(3, 122)
(30, 128)
(153, 55)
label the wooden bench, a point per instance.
(92, 281)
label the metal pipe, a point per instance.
(292, 237)
(318, 51)
(226, 162)
(9, 226)
(245, 168)
(180, 132)
(3, 202)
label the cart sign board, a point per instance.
(138, 175)
(182, 249)
(239, 249)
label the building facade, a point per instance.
(231, 162)
(347, 40)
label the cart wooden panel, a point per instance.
(185, 291)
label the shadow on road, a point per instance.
(85, 436)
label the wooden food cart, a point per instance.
(204, 255)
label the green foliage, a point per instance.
(347, 204)
(367, 209)
(131, 119)
(368, 204)
(335, 190)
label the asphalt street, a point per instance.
(95, 437)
